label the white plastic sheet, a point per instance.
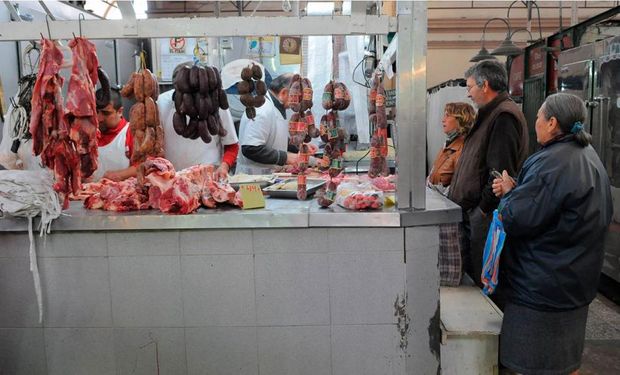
(24, 158)
(319, 71)
(359, 102)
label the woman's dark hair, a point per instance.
(570, 112)
(283, 81)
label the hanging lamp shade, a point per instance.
(507, 48)
(483, 54)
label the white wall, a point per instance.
(445, 64)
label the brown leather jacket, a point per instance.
(445, 162)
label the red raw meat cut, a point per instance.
(159, 186)
(81, 103)
(117, 196)
(183, 192)
(182, 196)
(49, 130)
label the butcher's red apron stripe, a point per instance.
(107, 137)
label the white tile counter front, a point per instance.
(126, 298)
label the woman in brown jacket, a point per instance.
(458, 118)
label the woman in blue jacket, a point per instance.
(555, 217)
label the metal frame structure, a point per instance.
(202, 26)
(410, 24)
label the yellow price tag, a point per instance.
(390, 200)
(251, 196)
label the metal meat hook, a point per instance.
(80, 18)
(47, 21)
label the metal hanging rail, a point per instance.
(204, 26)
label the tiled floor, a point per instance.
(601, 355)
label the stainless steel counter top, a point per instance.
(278, 213)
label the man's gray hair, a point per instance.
(567, 109)
(283, 81)
(492, 71)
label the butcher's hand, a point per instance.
(501, 186)
(291, 159)
(221, 173)
(113, 175)
(313, 148)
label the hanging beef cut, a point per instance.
(67, 142)
(81, 103)
(49, 130)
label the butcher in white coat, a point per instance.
(115, 141)
(264, 139)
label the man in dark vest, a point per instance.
(497, 141)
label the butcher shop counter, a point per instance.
(291, 288)
(278, 213)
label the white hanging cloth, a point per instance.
(29, 194)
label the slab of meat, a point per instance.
(211, 190)
(81, 103)
(157, 176)
(178, 193)
(159, 186)
(183, 192)
(49, 130)
(181, 197)
(117, 196)
(89, 189)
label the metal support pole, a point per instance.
(117, 69)
(14, 15)
(127, 11)
(47, 10)
(574, 13)
(358, 7)
(411, 104)
(420, 29)
(296, 8)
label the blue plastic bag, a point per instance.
(492, 251)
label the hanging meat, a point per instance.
(198, 94)
(81, 105)
(147, 131)
(378, 122)
(301, 126)
(336, 97)
(48, 126)
(252, 89)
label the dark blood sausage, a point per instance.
(178, 123)
(105, 88)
